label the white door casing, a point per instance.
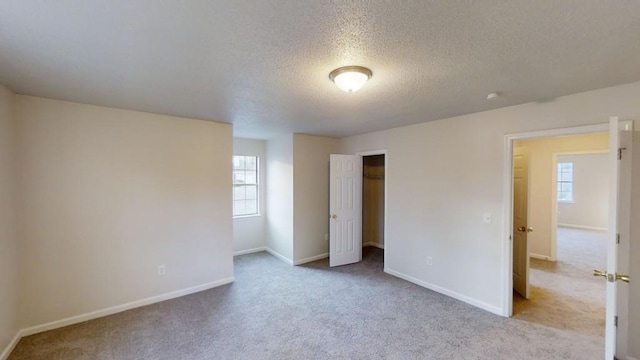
(520, 226)
(345, 209)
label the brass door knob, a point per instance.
(600, 273)
(624, 278)
(525, 229)
(334, 216)
(611, 277)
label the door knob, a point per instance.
(334, 216)
(611, 277)
(525, 229)
(624, 278)
(600, 273)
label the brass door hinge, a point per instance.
(620, 153)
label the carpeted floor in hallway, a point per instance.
(565, 294)
(276, 311)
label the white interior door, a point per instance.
(619, 241)
(520, 227)
(345, 207)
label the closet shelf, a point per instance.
(374, 177)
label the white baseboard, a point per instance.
(541, 257)
(296, 262)
(310, 259)
(582, 227)
(12, 345)
(477, 303)
(371, 243)
(120, 308)
(279, 256)
(249, 251)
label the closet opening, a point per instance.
(373, 206)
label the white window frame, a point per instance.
(560, 181)
(236, 185)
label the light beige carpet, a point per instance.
(565, 294)
(277, 311)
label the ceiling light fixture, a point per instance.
(350, 78)
(493, 95)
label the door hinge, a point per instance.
(620, 152)
(615, 321)
(617, 238)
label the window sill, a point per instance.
(565, 202)
(246, 216)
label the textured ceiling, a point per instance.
(264, 65)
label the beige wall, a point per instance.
(311, 194)
(590, 206)
(541, 186)
(250, 232)
(443, 175)
(297, 178)
(9, 290)
(280, 196)
(108, 195)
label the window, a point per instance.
(245, 185)
(565, 182)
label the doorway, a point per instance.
(346, 210)
(618, 235)
(566, 183)
(373, 205)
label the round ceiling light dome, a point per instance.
(350, 78)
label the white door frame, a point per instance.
(507, 206)
(554, 201)
(613, 127)
(384, 152)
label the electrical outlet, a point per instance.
(429, 260)
(326, 237)
(162, 270)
